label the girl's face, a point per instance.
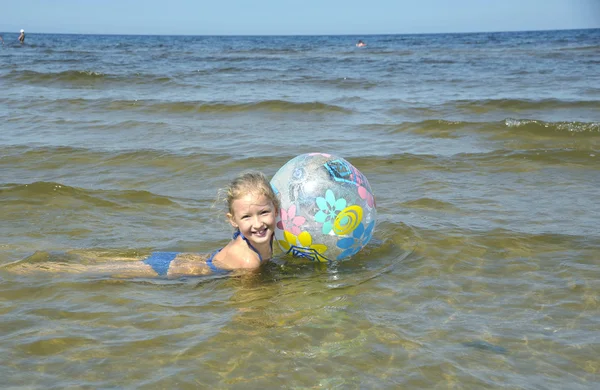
(255, 216)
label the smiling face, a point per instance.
(255, 216)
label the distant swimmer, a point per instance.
(361, 44)
(1, 40)
(22, 36)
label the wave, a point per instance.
(430, 204)
(265, 105)
(512, 239)
(58, 155)
(337, 82)
(480, 106)
(437, 61)
(441, 128)
(38, 193)
(228, 69)
(502, 160)
(508, 160)
(155, 106)
(268, 51)
(591, 48)
(85, 77)
(97, 160)
(77, 78)
(226, 107)
(497, 107)
(187, 164)
(554, 128)
(66, 76)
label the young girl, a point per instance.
(252, 211)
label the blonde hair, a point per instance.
(252, 182)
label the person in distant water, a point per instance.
(22, 36)
(252, 210)
(361, 44)
(1, 40)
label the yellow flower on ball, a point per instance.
(302, 246)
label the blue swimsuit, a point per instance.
(161, 261)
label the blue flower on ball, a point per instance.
(360, 237)
(329, 207)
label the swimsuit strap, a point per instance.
(213, 267)
(238, 233)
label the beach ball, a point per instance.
(327, 208)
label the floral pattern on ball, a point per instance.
(290, 221)
(329, 207)
(360, 237)
(336, 202)
(302, 246)
(367, 196)
(347, 220)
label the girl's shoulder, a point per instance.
(237, 254)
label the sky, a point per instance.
(294, 17)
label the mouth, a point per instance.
(261, 233)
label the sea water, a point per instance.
(483, 151)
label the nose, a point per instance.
(256, 221)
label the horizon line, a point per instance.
(308, 35)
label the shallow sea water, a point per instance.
(482, 151)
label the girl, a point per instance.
(252, 211)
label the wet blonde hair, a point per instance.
(252, 182)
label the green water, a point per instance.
(482, 151)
